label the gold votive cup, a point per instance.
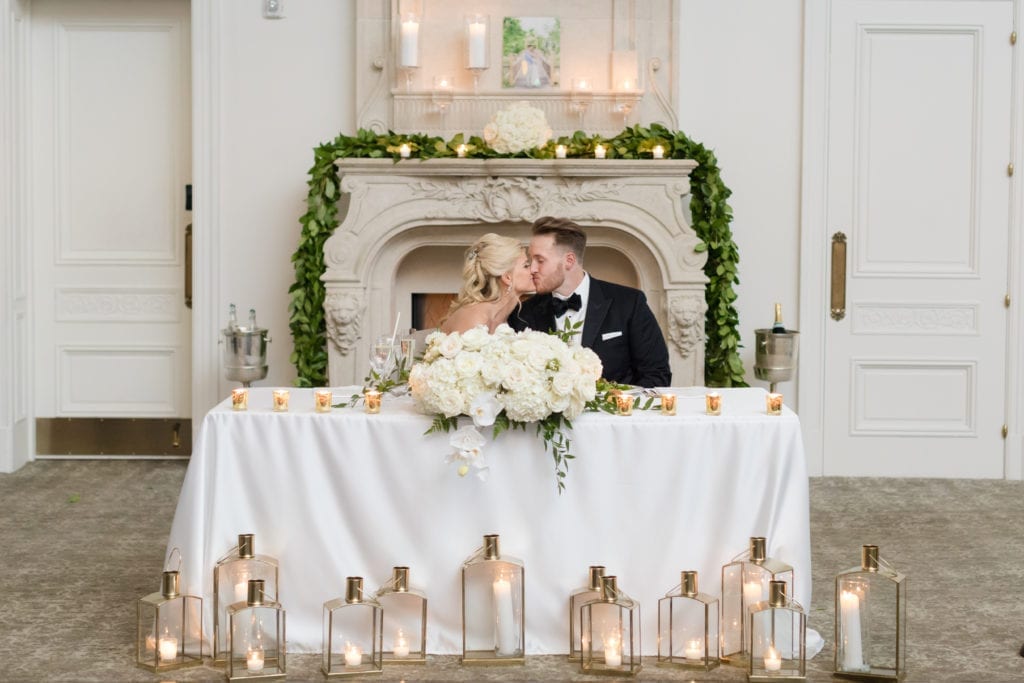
(668, 403)
(322, 400)
(713, 403)
(773, 403)
(624, 404)
(281, 400)
(371, 398)
(612, 395)
(240, 399)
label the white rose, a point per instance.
(450, 345)
(476, 338)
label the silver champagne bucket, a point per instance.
(245, 353)
(775, 355)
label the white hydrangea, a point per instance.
(517, 127)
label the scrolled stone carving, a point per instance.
(344, 318)
(686, 322)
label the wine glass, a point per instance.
(383, 357)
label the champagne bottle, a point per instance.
(232, 318)
(252, 319)
(778, 327)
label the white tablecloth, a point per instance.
(350, 494)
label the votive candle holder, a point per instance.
(773, 403)
(371, 397)
(713, 403)
(624, 404)
(240, 399)
(668, 403)
(322, 400)
(281, 400)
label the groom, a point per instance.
(617, 322)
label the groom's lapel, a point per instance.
(597, 309)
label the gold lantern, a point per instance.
(405, 620)
(744, 583)
(871, 620)
(256, 636)
(231, 576)
(353, 631)
(688, 626)
(170, 627)
(610, 632)
(592, 591)
(493, 607)
(778, 637)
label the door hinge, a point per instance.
(1006, 301)
(1006, 431)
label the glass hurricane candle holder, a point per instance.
(169, 633)
(744, 583)
(778, 637)
(405, 620)
(588, 593)
(231, 576)
(871, 620)
(610, 632)
(353, 633)
(688, 626)
(256, 638)
(493, 607)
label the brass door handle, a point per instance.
(188, 265)
(838, 303)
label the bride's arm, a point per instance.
(466, 318)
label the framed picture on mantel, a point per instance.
(530, 51)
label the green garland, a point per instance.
(711, 217)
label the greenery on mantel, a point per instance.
(711, 218)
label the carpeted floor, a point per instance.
(81, 541)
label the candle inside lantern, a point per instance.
(239, 399)
(772, 660)
(281, 400)
(401, 648)
(409, 42)
(560, 151)
(371, 397)
(254, 660)
(849, 620)
(774, 404)
(504, 617)
(477, 43)
(713, 403)
(404, 151)
(694, 649)
(613, 649)
(599, 152)
(168, 649)
(322, 400)
(751, 593)
(353, 655)
(658, 152)
(460, 151)
(668, 403)
(624, 403)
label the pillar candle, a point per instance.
(849, 621)
(409, 43)
(504, 618)
(477, 44)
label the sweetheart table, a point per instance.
(350, 494)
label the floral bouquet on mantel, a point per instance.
(516, 128)
(505, 380)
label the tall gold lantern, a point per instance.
(778, 638)
(745, 582)
(579, 597)
(231, 576)
(610, 632)
(688, 626)
(256, 636)
(353, 630)
(169, 634)
(871, 620)
(405, 620)
(493, 607)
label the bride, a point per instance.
(496, 273)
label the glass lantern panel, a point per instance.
(576, 601)
(404, 621)
(688, 630)
(871, 625)
(256, 642)
(733, 622)
(231, 585)
(169, 630)
(778, 641)
(609, 636)
(493, 608)
(353, 638)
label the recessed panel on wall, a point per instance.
(913, 398)
(916, 318)
(117, 304)
(118, 165)
(917, 143)
(97, 381)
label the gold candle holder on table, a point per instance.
(322, 400)
(281, 400)
(371, 398)
(624, 404)
(773, 403)
(713, 403)
(668, 403)
(239, 399)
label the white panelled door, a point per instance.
(919, 142)
(111, 155)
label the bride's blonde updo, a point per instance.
(486, 261)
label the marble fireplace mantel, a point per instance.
(389, 210)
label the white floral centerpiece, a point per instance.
(505, 380)
(516, 128)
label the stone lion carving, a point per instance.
(344, 318)
(686, 322)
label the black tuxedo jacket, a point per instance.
(619, 327)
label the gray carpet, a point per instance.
(81, 541)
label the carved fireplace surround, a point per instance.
(639, 209)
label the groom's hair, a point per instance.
(567, 234)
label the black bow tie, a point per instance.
(560, 306)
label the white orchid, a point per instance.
(484, 409)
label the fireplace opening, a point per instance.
(430, 308)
